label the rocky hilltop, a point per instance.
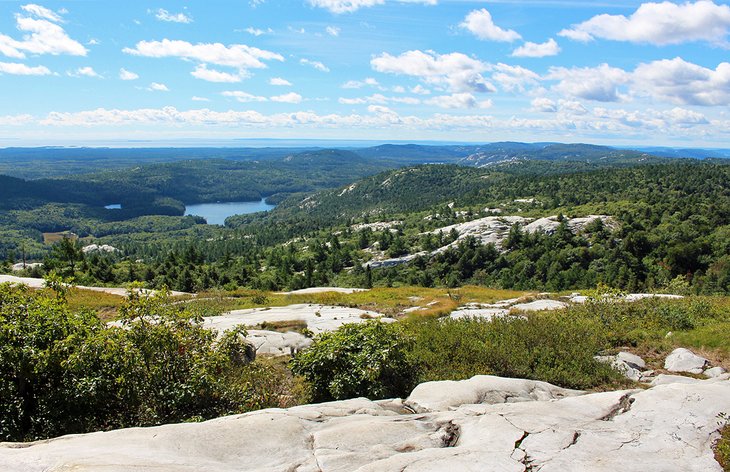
(485, 423)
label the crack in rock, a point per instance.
(623, 405)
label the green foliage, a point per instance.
(64, 372)
(722, 447)
(555, 348)
(370, 359)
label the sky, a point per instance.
(80, 72)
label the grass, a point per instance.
(722, 448)
(52, 238)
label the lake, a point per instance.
(216, 213)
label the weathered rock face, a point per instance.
(667, 427)
(684, 360)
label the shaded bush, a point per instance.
(64, 372)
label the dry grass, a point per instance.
(104, 304)
(51, 238)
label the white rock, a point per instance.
(310, 290)
(626, 369)
(275, 343)
(684, 360)
(481, 313)
(40, 283)
(664, 379)
(27, 266)
(539, 305)
(318, 318)
(714, 372)
(665, 428)
(481, 389)
(96, 248)
(632, 359)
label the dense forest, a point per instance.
(672, 228)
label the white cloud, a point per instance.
(659, 23)
(243, 97)
(279, 82)
(290, 97)
(458, 71)
(458, 100)
(548, 48)
(235, 55)
(356, 84)
(42, 12)
(164, 15)
(211, 75)
(683, 83)
(41, 35)
(420, 90)
(124, 74)
(257, 31)
(572, 107)
(316, 64)
(544, 105)
(333, 30)
(344, 6)
(85, 72)
(379, 99)
(514, 78)
(16, 120)
(93, 42)
(157, 87)
(15, 68)
(349, 6)
(480, 23)
(600, 83)
(195, 98)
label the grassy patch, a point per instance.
(105, 305)
(722, 449)
(284, 326)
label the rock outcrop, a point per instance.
(670, 426)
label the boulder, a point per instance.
(274, 343)
(684, 360)
(632, 360)
(714, 372)
(627, 369)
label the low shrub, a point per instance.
(371, 359)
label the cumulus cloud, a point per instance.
(333, 30)
(600, 83)
(420, 90)
(682, 82)
(164, 15)
(278, 81)
(243, 97)
(158, 87)
(659, 23)
(42, 34)
(14, 68)
(458, 100)
(235, 55)
(344, 6)
(514, 78)
(195, 98)
(290, 97)
(548, 48)
(378, 98)
(124, 74)
(16, 120)
(461, 73)
(480, 23)
(85, 72)
(544, 105)
(211, 75)
(316, 64)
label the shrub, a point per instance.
(554, 347)
(371, 359)
(64, 372)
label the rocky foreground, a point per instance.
(482, 424)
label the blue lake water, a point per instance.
(114, 206)
(216, 213)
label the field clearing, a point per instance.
(52, 238)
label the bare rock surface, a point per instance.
(540, 305)
(666, 427)
(318, 318)
(274, 343)
(310, 290)
(33, 282)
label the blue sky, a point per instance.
(613, 72)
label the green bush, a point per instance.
(64, 372)
(371, 359)
(555, 348)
